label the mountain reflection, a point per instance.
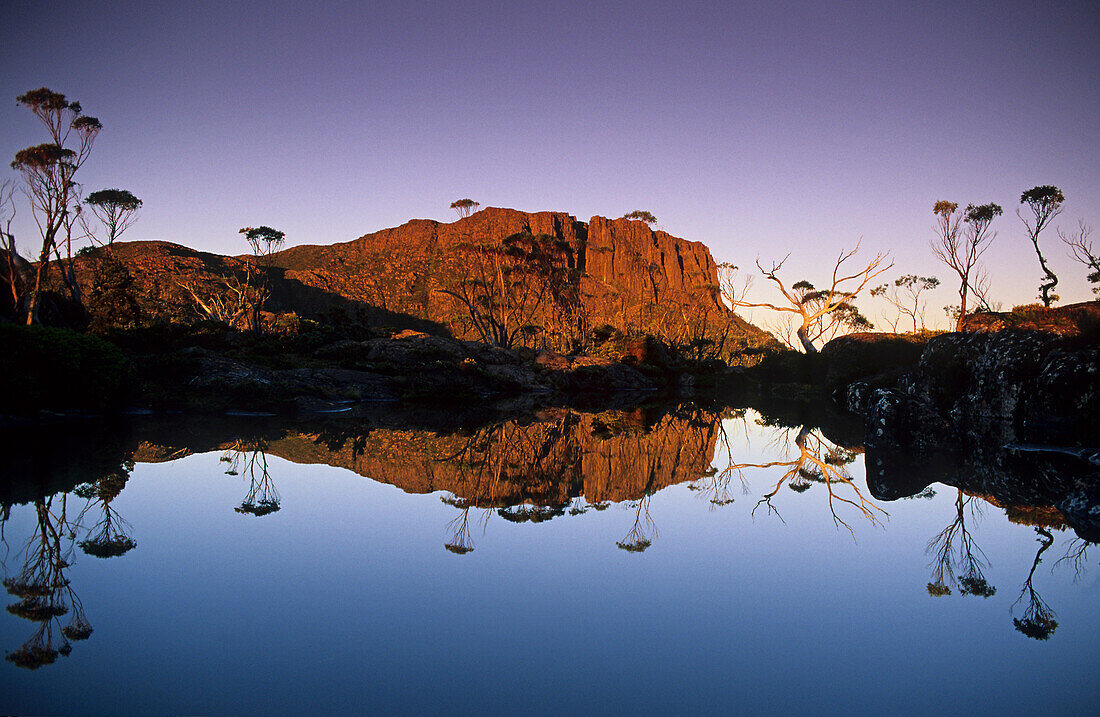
(554, 465)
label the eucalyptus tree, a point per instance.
(823, 313)
(1045, 203)
(642, 216)
(116, 208)
(464, 207)
(48, 172)
(1083, 251)
(961, 247)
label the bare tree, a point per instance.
(48, 170)
(904, 296)
(960, 249)
(1045, 203)
(825, 312)
(15, 265)
(1082, 250)
(116, 208)
(464, 207)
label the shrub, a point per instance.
(59, 369)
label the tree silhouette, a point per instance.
(962, 249)
(642, 531)
(1082, 250)
(958, 561)
(116, 208)
(1045, 203)
(824, 313)
(642, 216)
(108, 537)
(1037, 621)
(904, 296)
(48, 172)
(464, 207)
(44, 592)
(250, 458)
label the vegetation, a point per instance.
(642, 216)
(1082, 251)
(962, 250)
(1045, 203)
(464, 207)
(48, 171)
(116, 209)
(824, 313)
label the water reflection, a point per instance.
(958, 561)
(43, 590)
(557, 464)
(249, 457)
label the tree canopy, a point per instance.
(464, 207)
(641, 215)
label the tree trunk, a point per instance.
(962, 306)
(805, 339)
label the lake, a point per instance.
(647, 561)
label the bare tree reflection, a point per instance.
(461, 541)
(1076, 556)
(819, 461)
(642, 531)
(108, 537)
(43, 591)
(957, 560)
(1038, 620)
(249, 458)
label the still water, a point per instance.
(686, 561)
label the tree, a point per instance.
(961, 249)
(1045, 203)
(641, 215)
(14, 265)
(506, 288)
(116, 208)
(264, 241)
(904, 296)
(48, 170)
(464, 207)
(1081, 250)
(824, 313)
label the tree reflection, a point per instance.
(957, 559)
(108, 537)
(642, 531)
(819, 461)
(1038, 620)
(43, 591)
(250, 458)
(461, 541)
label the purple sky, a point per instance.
(757, 128)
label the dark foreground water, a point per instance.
(585, 564)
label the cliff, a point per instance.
(546, 276)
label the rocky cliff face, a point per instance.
(545, 274)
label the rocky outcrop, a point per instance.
(615, 272)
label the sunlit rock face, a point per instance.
(611, 456)
(615, 272)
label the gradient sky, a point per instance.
(757, 128)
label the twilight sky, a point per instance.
(757, 128)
